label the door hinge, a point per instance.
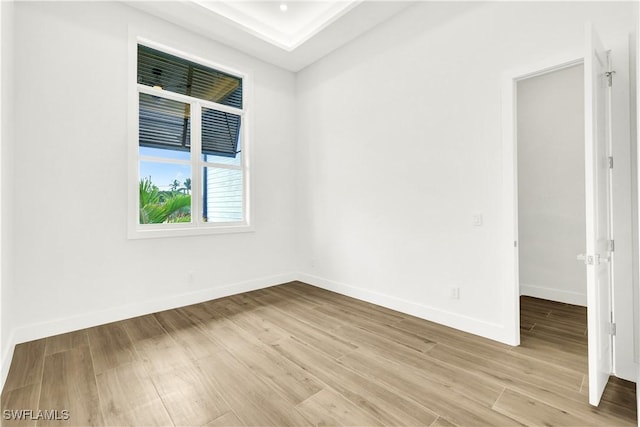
(612, 245)
(609, 76)
(610, 162)
(589, 259)
(612, 329)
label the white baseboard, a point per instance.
(40, 330)
(552, 294)
(6, 359)
(472, 325)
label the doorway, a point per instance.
(598, 256)
(550, 128)
(551, 197)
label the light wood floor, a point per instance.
(298, 355)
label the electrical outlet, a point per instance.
(190, 277)
(477, 220)
(455, 293)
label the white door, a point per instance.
(597, 195)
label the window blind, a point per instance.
(166, 124)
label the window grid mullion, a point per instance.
(221, 166)
(196, 167)
(245, 170)
(189, 100)
(163, 160)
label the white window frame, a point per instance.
(197, 226)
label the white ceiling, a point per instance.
(286, 29)
(292, 39)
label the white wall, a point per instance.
(7, 284)
(551, 217)
(393, 143)
(634, 78)
(74, 265)
(633, 107)
(401, 140)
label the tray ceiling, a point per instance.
(292, 38)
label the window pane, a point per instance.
(164, 124)
(222, 199)
(235, 161)
(165, 154)
(220, 133)
(172, 73)
(165, 193)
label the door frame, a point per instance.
(510, 78)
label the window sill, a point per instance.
(142, 232)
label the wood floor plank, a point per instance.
(16, 401)
(190, 396)
(390, 349)
(278, 298)
(229, 419)
(557, 322)
(391, 408)
(544, 331)
(69, 383)
(110, 346)
(619, 398)
(329, 408)
(312, 316)
(529, 411)
(534, 306)
(211, 318)
(66, 341)
(295, 293)
(161, 354)
(526, 324)
(26, 369)
(186, 333)
(442, 422)
(617, 390)
(200, 313)
(285, 377)
(444, 335)
(464, 407)
(554, 352)
(568, 311)
(368, 310)
(128, 397)
(304, 311)
(576, 403)
(509, 371)
(434, 374)
(149, 415)
(569, 342)
(398, 336)
(251, 400)
(143, 327)
(233, 305)
(323, 341)
(364, 309)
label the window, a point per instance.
(190, 144)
